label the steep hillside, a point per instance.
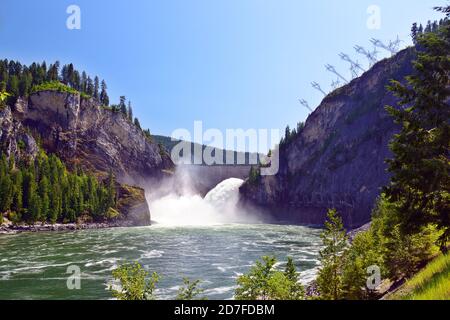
(89, 137)
(337, 159)
(431, 283)
(84, 134)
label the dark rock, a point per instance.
(338, 159)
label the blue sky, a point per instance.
(230, 63)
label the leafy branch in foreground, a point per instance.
(264, 282)
(137, 284)
(134, 283)
(190, 290)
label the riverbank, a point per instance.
(14, 229)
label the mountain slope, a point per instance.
(337, 159)
(86, 136)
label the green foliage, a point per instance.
(85, 96)
(254, 175)
(420, 183)
(134, 283)
(53, 86)
(296, 291)
(335, 241)
(189, 290)
(20, 80)
(290, 135)
(44, 190)
(363, 253)
(400, 253)
(263, 282)
(3, 96)
(112, 214)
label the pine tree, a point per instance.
(6, 186)
(414, 32)
(96, 88)
(89, 87)
(334, 238)
(130, 111)
(420, 183)
(137, 123)
(13, 86)
(296, 291)
(45, 200)
(123, 105)
(104, 99)
(34, 208)
(83, 83)
(17, 203)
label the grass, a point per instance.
(432, 283)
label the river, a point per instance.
(34, 265)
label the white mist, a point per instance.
(220, 206)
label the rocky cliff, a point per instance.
(86, 135)
(338, 158)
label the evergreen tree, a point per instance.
(123, 105)
(130, 111)
(414, 32)
(296, 290)
(420, 183)
(34, 209)
(89, 87)
(104, 99)
(17, 203)
(45, 200)
(6, 186)
(137, 123)
(96, 88)
(334, 238)
(76, 80)
(13, 86)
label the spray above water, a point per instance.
(220, 206)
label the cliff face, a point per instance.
(82, 133)
(14, 139)
(86, 135)
(338, 159)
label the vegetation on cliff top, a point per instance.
(17, 80)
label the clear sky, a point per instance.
(230, 63)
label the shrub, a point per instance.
(401, 253)
(189, 290)
(134, 284)
(112, 214)
(263, 282)
(54, 86)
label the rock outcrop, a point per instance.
(338, 159)
(14, 138)
(84, 134)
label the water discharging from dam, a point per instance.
(219, 206)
